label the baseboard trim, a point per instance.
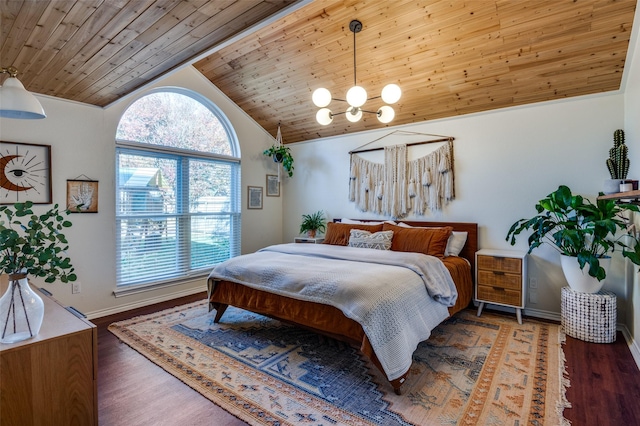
(633, 345)
(146, 302)
(537, 313)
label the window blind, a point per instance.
(176, 215)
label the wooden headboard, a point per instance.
(470, 247)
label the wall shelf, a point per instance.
(627, 197)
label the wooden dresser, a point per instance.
(51, 379)
(501, 278)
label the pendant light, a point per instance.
(15, 100)
(356, 96)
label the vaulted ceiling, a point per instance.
(449, 57)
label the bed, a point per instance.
(271, 266)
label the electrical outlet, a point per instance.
(75, 287)
(533, 282)
(533, 296)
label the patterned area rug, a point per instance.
(472, 371)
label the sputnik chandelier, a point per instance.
(356, 96)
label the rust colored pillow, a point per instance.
(431, 241)
(338, 233)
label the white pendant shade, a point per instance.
(17, 102)
(321, 97)
(354, 114)
(391, 93)
(386, 114)
(324, 116)
(357, 96)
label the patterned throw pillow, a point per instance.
(365, 239)
(338, 233)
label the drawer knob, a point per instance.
(498, 288)
(498, 273)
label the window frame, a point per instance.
(182, 156)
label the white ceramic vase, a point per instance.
(579, 279)
(21, 311)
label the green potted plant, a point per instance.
(281, 154)
(584, 233)
(30, 244)
(311, 223)
(617, 163)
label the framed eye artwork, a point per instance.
(25, 173)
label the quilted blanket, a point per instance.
(397, 297)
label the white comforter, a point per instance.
(397, 297)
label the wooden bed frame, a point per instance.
(325, 319)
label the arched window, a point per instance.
(177, 189)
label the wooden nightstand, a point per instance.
(501, 279)
(308, 240)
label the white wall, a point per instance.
(632, 133)
(505, 161)
(82, 141)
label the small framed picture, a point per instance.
(254, 195)
(82, 196)
(273, 186)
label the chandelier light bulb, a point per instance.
(321, 97)
(357, 96)
(324, 116)
(391, 93)
(353, 114)
(386, 114)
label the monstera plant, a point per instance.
(583, 232)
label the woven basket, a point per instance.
(589, 316)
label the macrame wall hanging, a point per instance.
(399, 186)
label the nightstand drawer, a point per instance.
(504, 264)
(500, 295)
(500, 279)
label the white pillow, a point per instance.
(365, 239)
(455, 243)
(360, 222)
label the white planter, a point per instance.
(612, 186)
(579, 279)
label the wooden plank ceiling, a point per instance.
(449, 57)
(96, 51)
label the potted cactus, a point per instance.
(617, 163)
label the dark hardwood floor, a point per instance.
(605, 384)
(133, 391)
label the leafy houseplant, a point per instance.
(311, 223)
(578, 228)
(30, 244)
(281, 154)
